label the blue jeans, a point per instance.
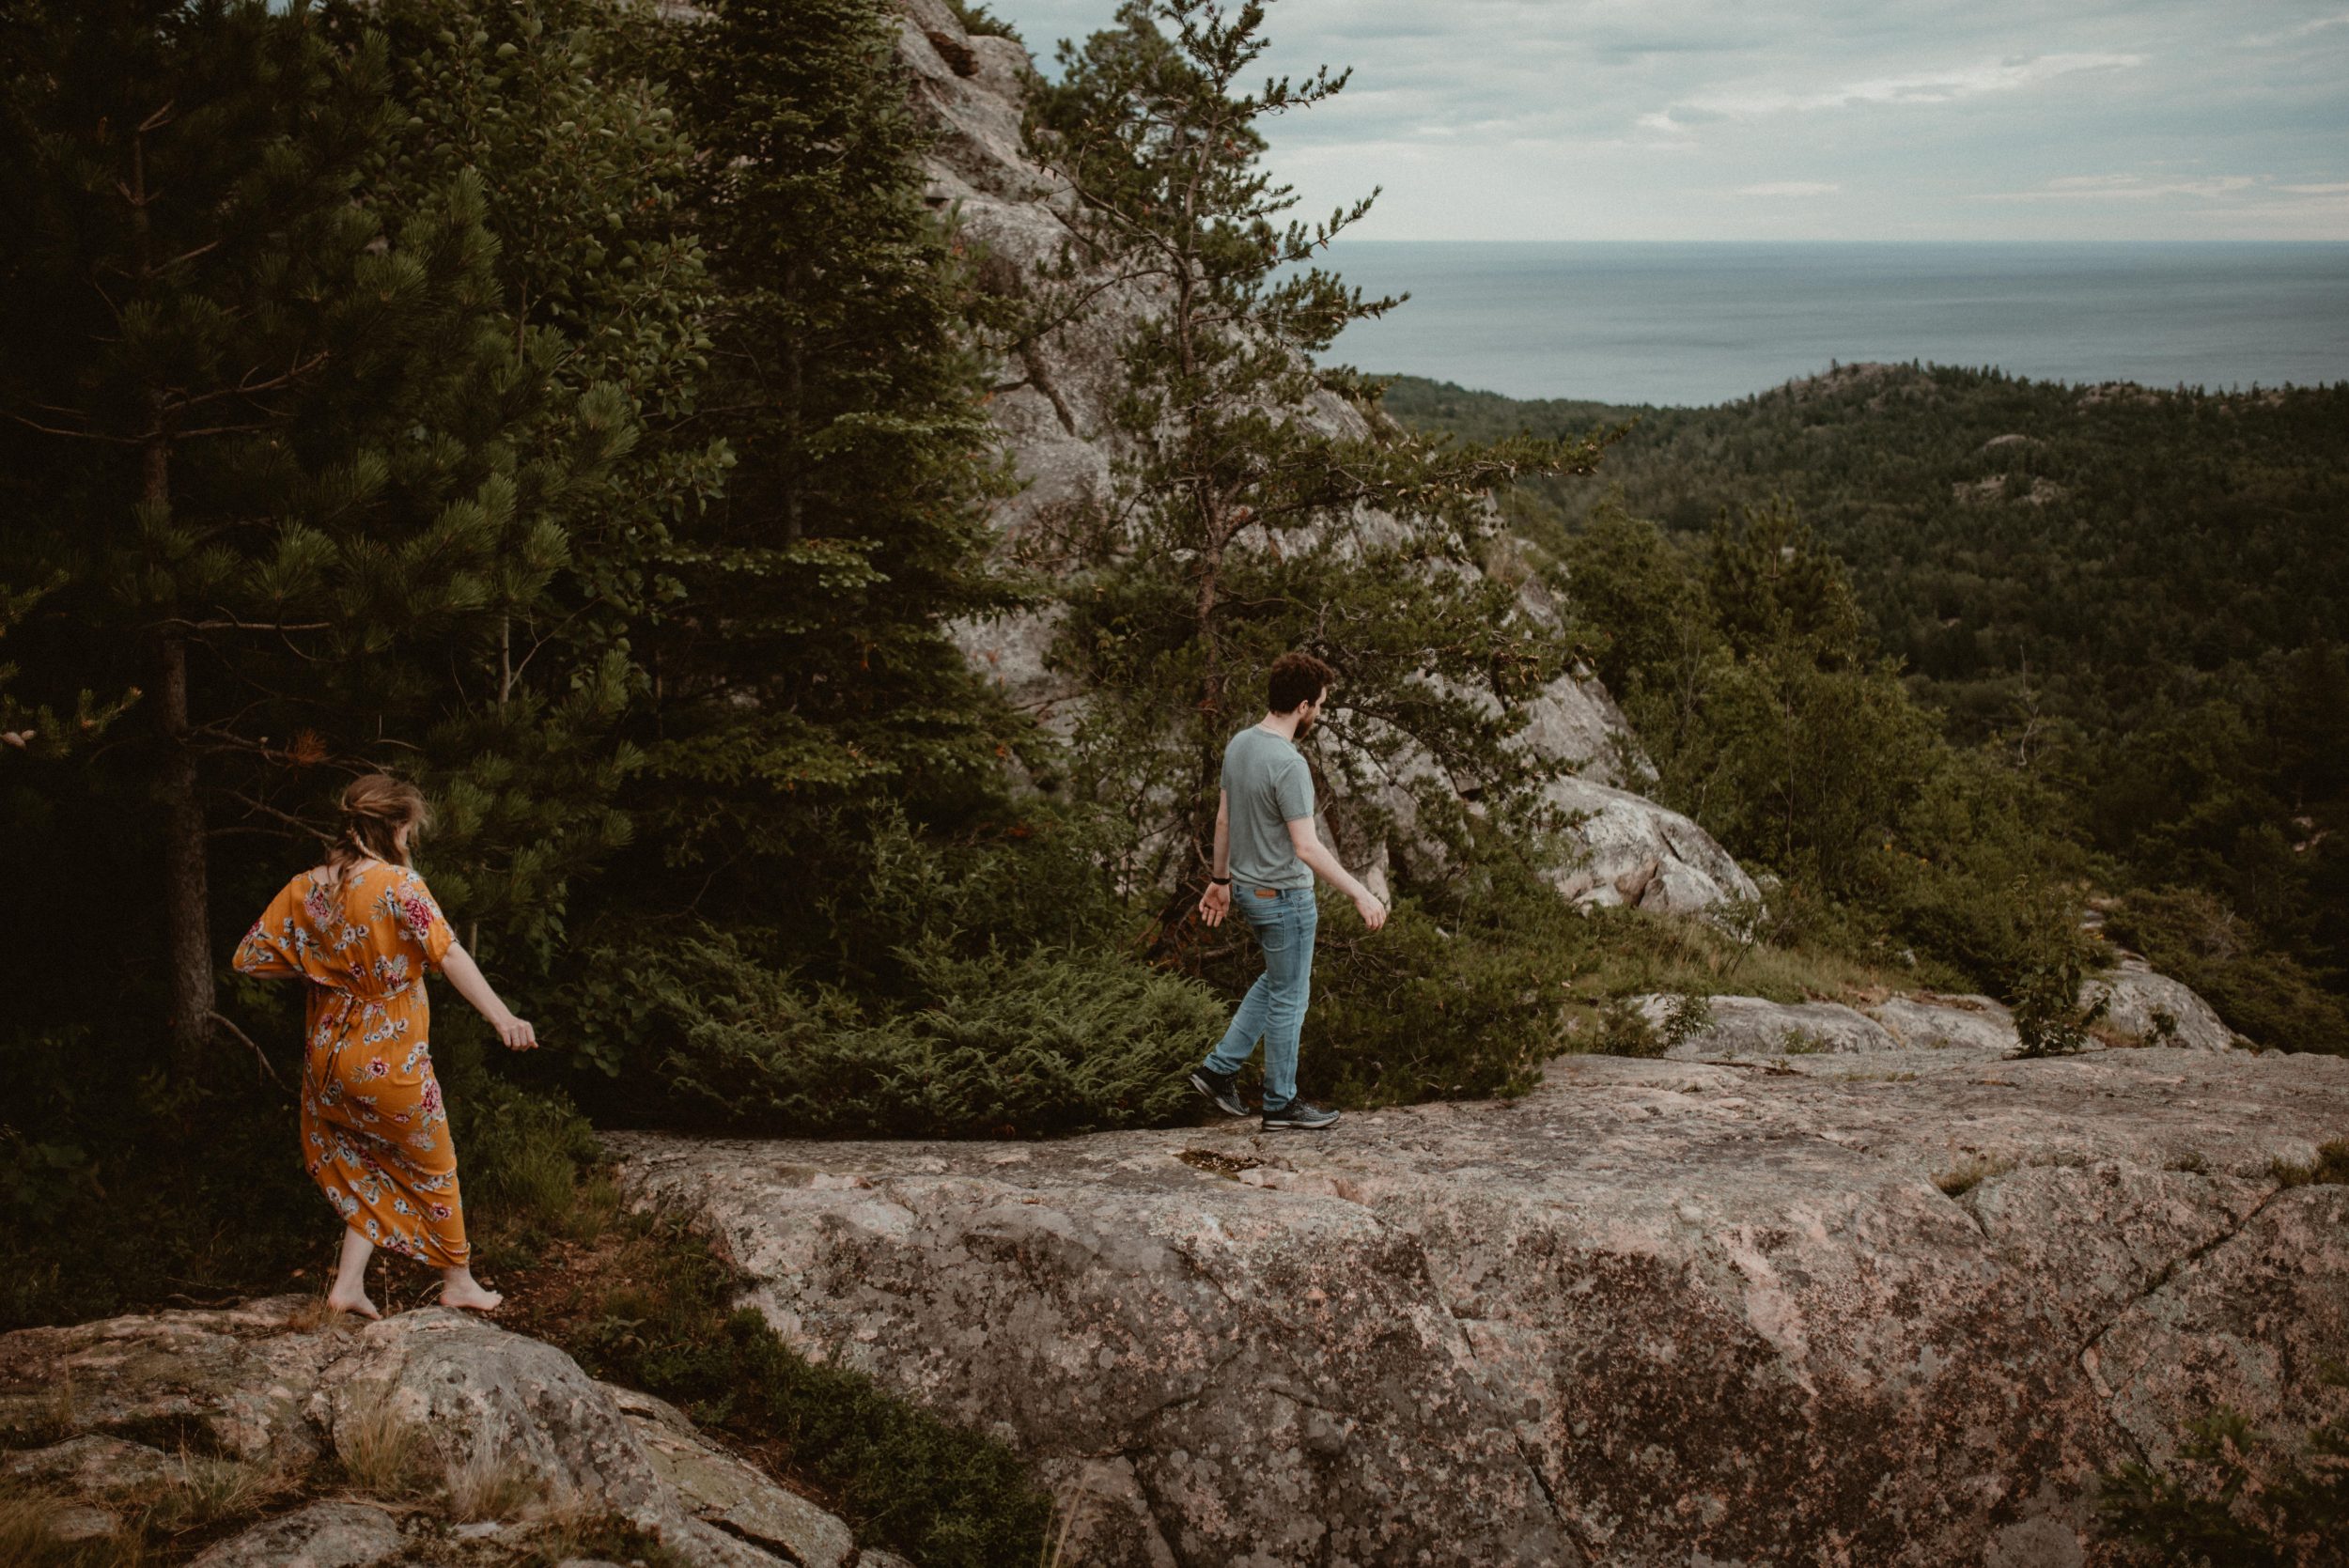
(1274, 1008)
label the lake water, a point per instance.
(1705, 324)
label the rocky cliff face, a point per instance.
(1890, 1308)
(1052, 405)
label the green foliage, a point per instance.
(1044, 1041)
(2139, 617)
(2233, 1496)
(2190, 934)
(803, 663)
(1247, 519)
(1452, 999)
(1626, 1029)
(603, 281)
(40, 730)
(1747, 674)
(309, 482)
(2050, 1016)
(979, 21)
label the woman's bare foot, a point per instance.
(460, 1289)
(341, 1300)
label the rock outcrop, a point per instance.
(1751, 1026)
(445, 1439)
(2155, 1009)
(1053, 405)
(1892, 1309)
(2141, 1007)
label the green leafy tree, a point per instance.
(1262, 501)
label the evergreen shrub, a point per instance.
(1421, 1011)
(1003, 1043)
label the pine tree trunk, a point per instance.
(186, 895)
(187, 899)
(795, 395)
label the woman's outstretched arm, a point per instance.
(466, 975)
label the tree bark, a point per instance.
(187, 900)
(187, 895)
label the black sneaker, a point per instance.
(1296, 1116)
(1223, 1088)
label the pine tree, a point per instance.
(806, 668)
(555, 105)
(1265, 502)
(264, 433)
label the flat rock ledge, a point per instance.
(431, 1437)
(1898, 1309)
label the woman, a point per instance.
(361, 929)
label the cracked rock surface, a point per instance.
(103, 1415)
(1657, 1312)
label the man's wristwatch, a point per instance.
(1220, 881)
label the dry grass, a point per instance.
(382, 1452)
(36, 1421)
(30, 1527)
(207, 1491)
(2330, 1168)
(490, 1486)
(605, 1538)
(1970, 1172)
(1068, 1507)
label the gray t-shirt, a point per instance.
(1269, 786)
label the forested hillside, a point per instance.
(2139, 597)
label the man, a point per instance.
(1266, 854)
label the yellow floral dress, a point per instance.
(374, 1132)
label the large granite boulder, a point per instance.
(1752, 1026)
(1931, 1020)
(433, 1413)
(1892, 1309)
(2155, 1009)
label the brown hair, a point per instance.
(1296, 677)
(375, 808)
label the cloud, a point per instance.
(2316, 24)
(1929, 86)
(2129, 187)
(2317, 190)
(1603, 118)
(1789, 188)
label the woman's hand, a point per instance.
(516, 1032)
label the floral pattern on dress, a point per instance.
(373, 1122)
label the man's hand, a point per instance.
(1216, 902)
(1372, 912)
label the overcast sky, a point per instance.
(1838, 119)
